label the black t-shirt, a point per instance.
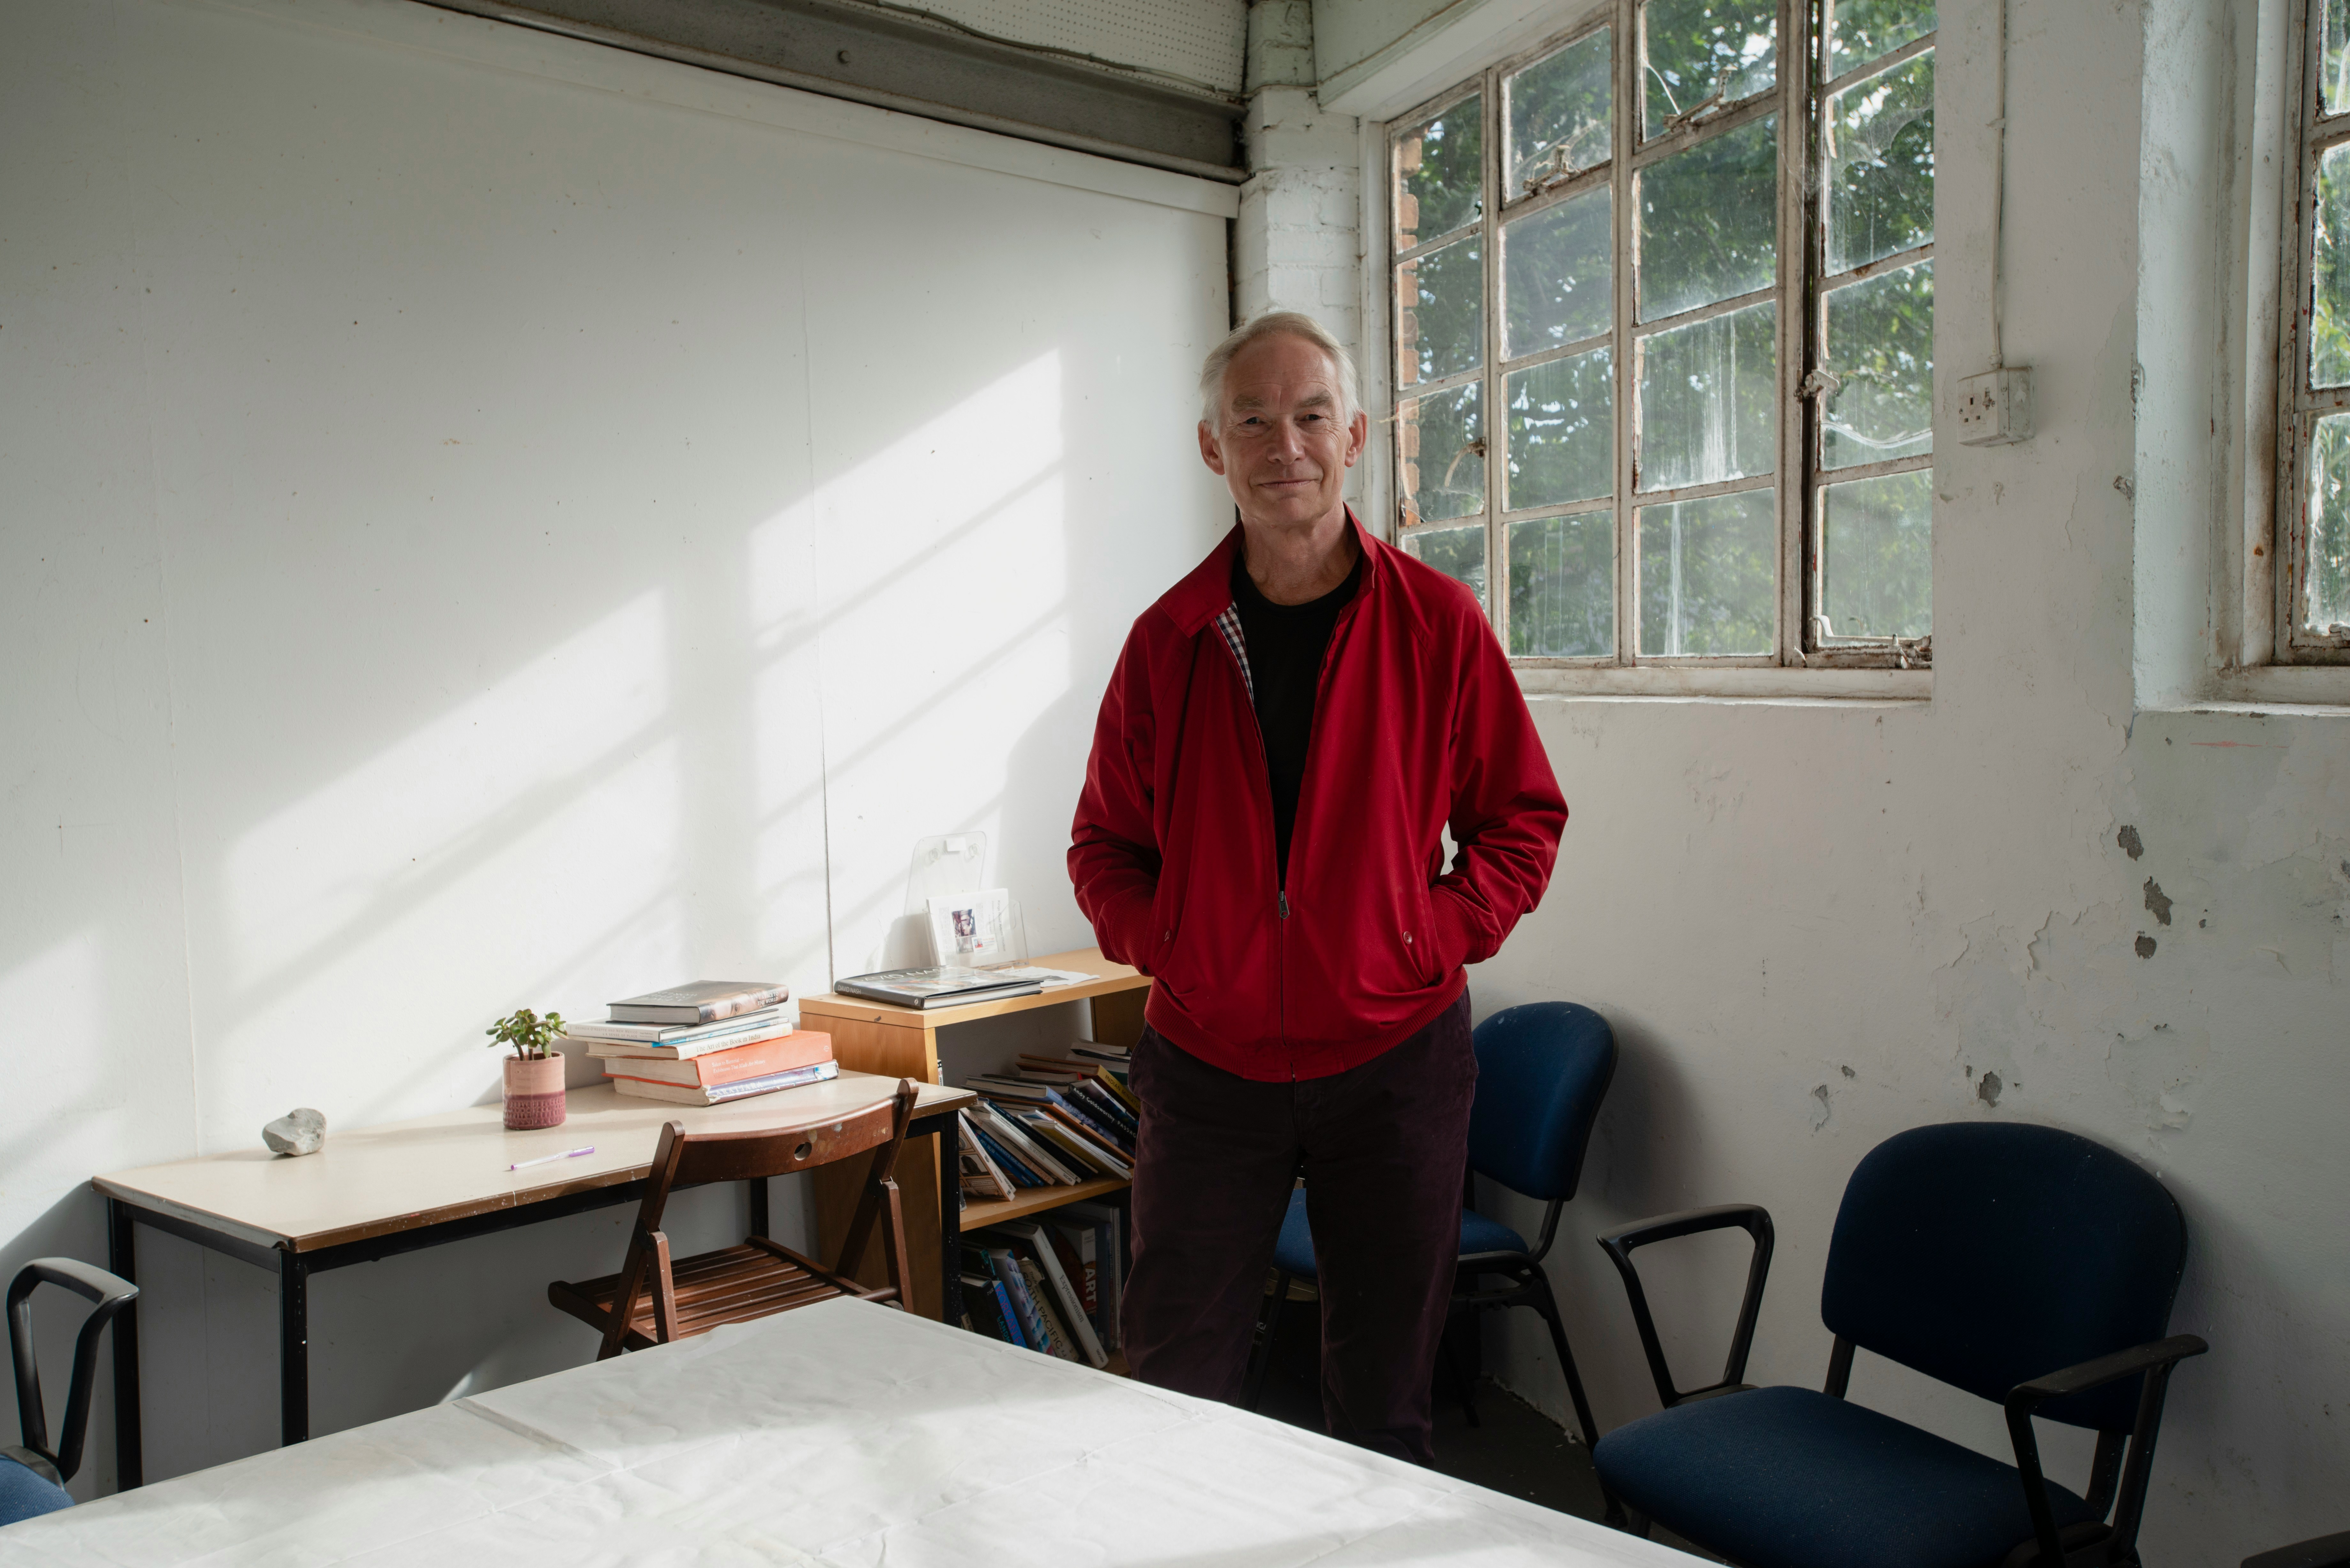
(1285, 644)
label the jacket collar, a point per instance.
(1207, 591)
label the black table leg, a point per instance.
(758, 1186)
(122, 1257)
(293, 1348)
(949, 1222)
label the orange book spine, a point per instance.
(800, 1048)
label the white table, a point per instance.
(845, 1434)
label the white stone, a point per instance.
(302, 1131)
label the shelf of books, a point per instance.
(979, 1212)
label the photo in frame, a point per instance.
(976, 930)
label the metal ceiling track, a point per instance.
(843, 49)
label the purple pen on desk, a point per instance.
(551, 1158)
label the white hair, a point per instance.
(1296, 324)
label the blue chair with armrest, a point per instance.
(33, 1475)
(1543, 1069)
(2027, 1265)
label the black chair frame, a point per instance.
(110, 1294)
(2118, 1472)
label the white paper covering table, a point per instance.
(845, 1434)
(375, 1191)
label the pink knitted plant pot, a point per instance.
(533, 1093)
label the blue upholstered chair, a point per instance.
(33, 1475)
(1542, 1071)
(2025, 1265)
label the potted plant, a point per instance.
(534, 1073)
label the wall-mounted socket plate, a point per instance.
(1995, 408)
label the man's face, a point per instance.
(1280, 442)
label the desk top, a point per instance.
(1113, 977)
(402, 1176)
(838, 1435)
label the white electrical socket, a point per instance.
(1995, 408)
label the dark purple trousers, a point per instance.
(1382, 1147)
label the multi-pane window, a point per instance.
(2312, 569)
(1663, 367)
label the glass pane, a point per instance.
(2334, 66)
(1709, 575)
(1440, 313)
(2325, 553)
(1709, 222)
(1864, 29)
(1877, 555)
(1441, 173)
(1880, 347)
(1562, 431)
(1706, 51)
(1458, 553)
(1555, 272)
(1709, 400)
(1557, 114)
(1443, 448)
(1563, 586)
(1881, 155)
(2329, 326)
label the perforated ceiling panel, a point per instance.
(1206, 39)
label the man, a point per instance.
(1286, 737)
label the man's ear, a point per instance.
(1213, 456)
(1358, 435)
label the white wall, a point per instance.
(1814, 925)
(491, 522)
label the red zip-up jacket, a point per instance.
(1418, 726)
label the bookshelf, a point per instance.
(904, 1042)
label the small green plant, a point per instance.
(531, 1037)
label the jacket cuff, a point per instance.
(1458, 938)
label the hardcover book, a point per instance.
(718, 1094)
(730, 1064)
(943, 986)
(698, 1001)
(688, 1039)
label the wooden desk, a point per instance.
(373, 1192)
(903, 1041)
(839, 1435)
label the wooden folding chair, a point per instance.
(661, 1299)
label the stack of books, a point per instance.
(708, 1042)
(1050, 1121)
(1053, 1284)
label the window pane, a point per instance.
(1563, 586)
(1880, 346)
(1708, 574)
(2334, 66)
(1726, 50)
(1868, 28)
(1880, 156)
(1562, 431)
(1458, 553)
(2329, 326)
(1709, 222)
(2325, 553)
(1443, 447)
(1709, 400)
(1441, 173)
(1557, 114)
(1440, 313)
(1556, 270)
(1877, 555)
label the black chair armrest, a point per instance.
(1619, 1245)
(2153, 1362)
(2325, 1551)
(110, 1294)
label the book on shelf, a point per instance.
(1106, 1223)
(1092, 1114)
(698, 1001)
(1112, 1080)
(800, 1048)
(1087, 1159)
(720, 1094)
(990, 1309)
(944, 985)
(1039, 1258)
(992, 1120)
(682, 1040)
(1035, 1327)
(1013, 1168)
(982, 1176)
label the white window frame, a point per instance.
(2276, 573)
(1801, 665)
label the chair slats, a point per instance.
(654, 1299)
